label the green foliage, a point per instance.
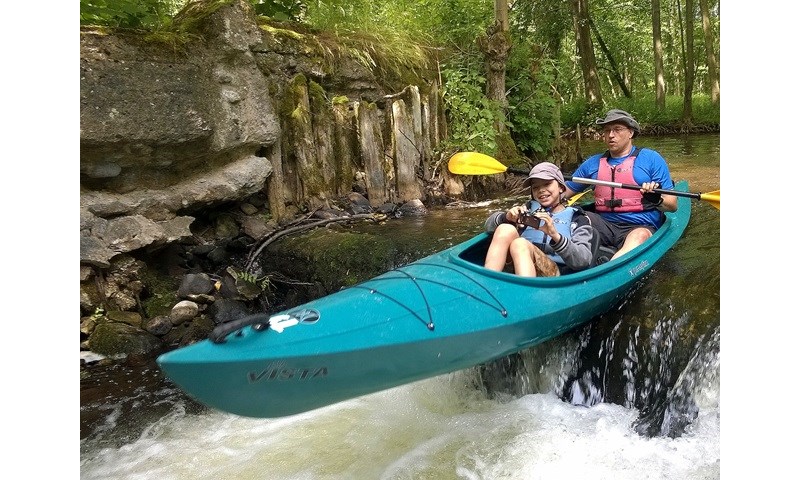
(626, 30)
(261, 282)
(382, 35)
(471, 115)
(170, 22)
(280, 10)
(703, 111)
(546, 23)
(248, 285)
(452, 25)
(194, 11)
(391, 37)
(129, 14)
(574, 113)
(99, 312)
(705, 115)
(532, 108)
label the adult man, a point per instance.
(625, 218)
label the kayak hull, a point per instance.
(440, 314)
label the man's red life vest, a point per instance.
(610, 199)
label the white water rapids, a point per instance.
(440, 428)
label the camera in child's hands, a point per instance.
(531, 220)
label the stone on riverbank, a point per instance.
(112, 338)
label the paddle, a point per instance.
(474, 163)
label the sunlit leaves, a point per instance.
(131, 14)
(280, 10)
(471, 116)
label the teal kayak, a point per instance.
(439, 314)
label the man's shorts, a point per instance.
(613, 234)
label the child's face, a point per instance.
(546, 192)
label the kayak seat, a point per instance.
(603, 255)
(600, 253)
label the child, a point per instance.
(544, 241)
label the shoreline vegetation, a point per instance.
(545, 90)
(669, 121)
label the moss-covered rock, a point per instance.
(159, 295)
(131, 318)
(113, 338)
(189, 332)
(333, 258)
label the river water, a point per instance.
(633, 394)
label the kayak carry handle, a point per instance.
(259, 321)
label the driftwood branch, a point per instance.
(298, 226)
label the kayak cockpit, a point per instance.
(476, 253)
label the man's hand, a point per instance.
(650, 199)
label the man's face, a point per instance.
(617, 135)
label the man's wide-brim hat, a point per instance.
(545, 171)
(620, 116)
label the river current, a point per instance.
(633, 394)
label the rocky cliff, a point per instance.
(243, 110)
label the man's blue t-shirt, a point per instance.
(649, 166)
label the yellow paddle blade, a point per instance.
(474, 163)
(712, 198)
(576, 197)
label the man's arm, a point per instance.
(662, 176)
(587, 169)
(670, 203)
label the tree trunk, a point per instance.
(583, 39)
(658, 57)
(711, 57)
(614, 68)
(501, 14)
(688, 86)
(495, 47)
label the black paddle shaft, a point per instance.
(629, 186)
